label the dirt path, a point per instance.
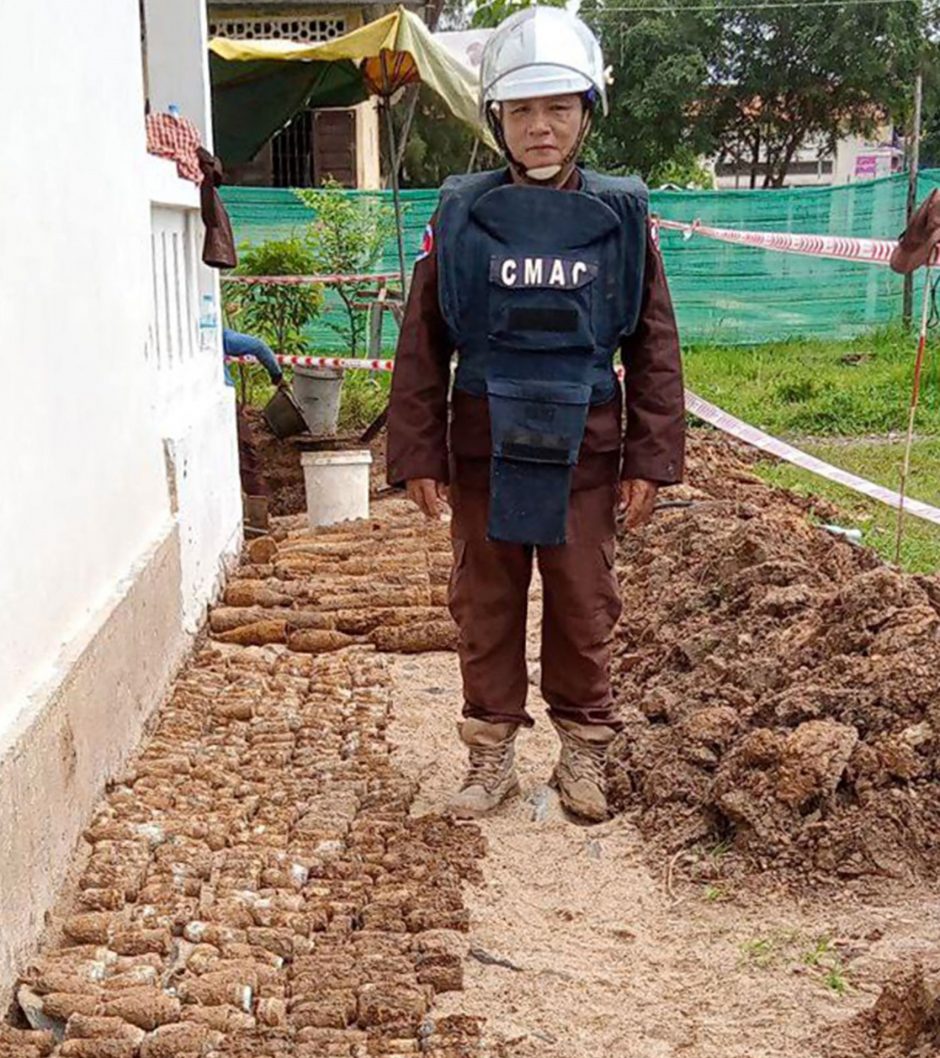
(604, 962)
(270, 876)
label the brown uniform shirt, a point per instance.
(650, 446)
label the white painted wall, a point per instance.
(178, 61)
(89, 411)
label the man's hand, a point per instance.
(429, 496)
(637, 498)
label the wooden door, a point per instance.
(334, 146)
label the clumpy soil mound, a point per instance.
(279, 463)
(903, 1023)
(780, 686)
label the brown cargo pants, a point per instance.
(489, 589)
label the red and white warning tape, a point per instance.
(324, 280)
(728, 424)
(714, 416)
(835, 247)
(322, 361)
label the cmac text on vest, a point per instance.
(560, 273)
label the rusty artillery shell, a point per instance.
(60, 1006)
(102, 899)
(257, 634)
(318, 641)
(174, 1041)
(42, 1041)
(145, 1007)
(255, 593)
(91, 927)
(416, 639)
(85, 1027)
(262, 550)
(99, 1049)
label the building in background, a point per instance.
(340, 142)
(815, 165)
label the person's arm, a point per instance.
(654, 437)
(417, 419)
(234, 343)
(268, 361)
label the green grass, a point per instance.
(846, 388)
(365, 394)
(777, 950)
(818, 394)
(824, 959)
(714, 894)
(879, 462)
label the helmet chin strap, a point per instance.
(541, 175)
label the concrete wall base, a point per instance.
(75, 735)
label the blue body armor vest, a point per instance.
(538, 287)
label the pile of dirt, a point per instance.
(903, 1023)
(279, 463)
(780, 686)
(255, 884)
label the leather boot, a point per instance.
(491, 777)
(581, 772)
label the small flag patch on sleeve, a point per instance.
(427, 243)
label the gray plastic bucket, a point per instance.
(282, 413)
(318, 391)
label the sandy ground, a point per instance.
(583, 941)
(609, 956)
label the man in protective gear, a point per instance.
(537, 274)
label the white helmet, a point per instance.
(541, 51)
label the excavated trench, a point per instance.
(254, 884)
(260, 882)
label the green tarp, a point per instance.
(722, 292)
(253, 100)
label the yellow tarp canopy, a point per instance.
(395, 50)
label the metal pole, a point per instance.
(912, 412)
(387, 104)
(473, 155)
(412, 92)
(913, 163)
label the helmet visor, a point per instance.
(536, 82)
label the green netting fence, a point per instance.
(722, 293)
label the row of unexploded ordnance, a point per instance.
(374, 582)
(239, 849)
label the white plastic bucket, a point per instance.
(337, 485)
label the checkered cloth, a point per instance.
(178, 139)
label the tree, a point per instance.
(439, 145)
(930, 142)
(659, 64)
(489, 14)
(347, 238)
(274, 312)
(747, 80)
(783, 75)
